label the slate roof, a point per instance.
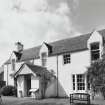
(38, 70)
(58, 47)
(31, 53)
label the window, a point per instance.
(80, 82)
(66, 58)
(44, 59)
(13, 64)
(95, 52)
(73, 79)
(88, 83)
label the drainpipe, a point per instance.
(57, 78)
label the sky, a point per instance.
(33, 22)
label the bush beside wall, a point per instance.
(8, 91)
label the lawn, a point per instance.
(31, 101)
(50, 101)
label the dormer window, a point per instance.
(66, 58)
(44, 58)
(13, 64)
(95, 51)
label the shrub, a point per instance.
(103, 91)
(8, 91)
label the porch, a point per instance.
(30, 80)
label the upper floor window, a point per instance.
(95, 51)
(66, 58)
(13, 64)
(44, 58)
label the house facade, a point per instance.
(54, 69)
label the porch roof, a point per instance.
(38, 70)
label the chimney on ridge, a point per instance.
(19, 46)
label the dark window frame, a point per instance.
(80, 82)
(73, 81)
(66, 58)
(95, 51)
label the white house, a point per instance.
(54, 69)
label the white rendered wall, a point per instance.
(5, 73)
(20, 85)
(34, 82)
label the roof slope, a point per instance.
(58, 47)
(31, 53)
(38, 70)
(70, 45)
(66, 45)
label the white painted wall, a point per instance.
(37, 62)
(79, 62)
(20, 86)
(52, 64)
(34, 82)
(43, 49)
(5, 73)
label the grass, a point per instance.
(50, 101)
(31, 101)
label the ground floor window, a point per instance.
(78, 81)
(73, 79)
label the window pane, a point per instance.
(80, 82)
(73, 80)
(95, 52)
(94, 46)
(66, 58)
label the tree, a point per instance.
(96, 75)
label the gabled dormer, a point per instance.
(44, 53)
(95, 45)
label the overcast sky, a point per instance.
(34, 21)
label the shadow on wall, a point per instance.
(51, 90)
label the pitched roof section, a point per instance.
(66, 45)
(58, 47)
(31, 53)
(38, 70)
(70, 45)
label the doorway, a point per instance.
(27, 85)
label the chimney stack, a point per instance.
(19, 46)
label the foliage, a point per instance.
(96, 74)
(8, 91)
(2, 83)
